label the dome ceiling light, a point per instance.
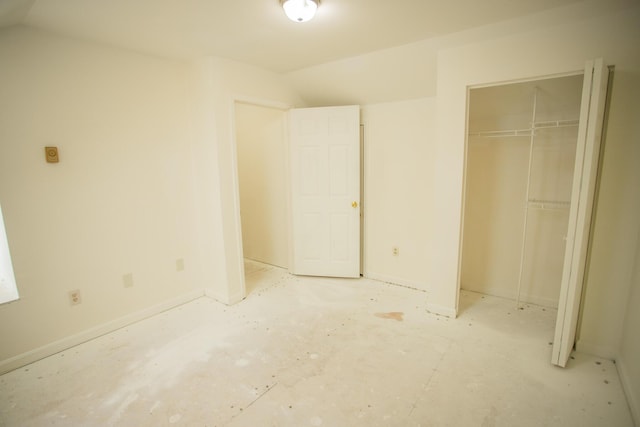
(300, 10)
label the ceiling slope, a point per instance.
(257, 31)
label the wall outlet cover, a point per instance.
(127, 280)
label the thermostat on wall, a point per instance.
(51, 154)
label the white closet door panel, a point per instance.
(584, 179)
(325, 183)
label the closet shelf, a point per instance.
(526, 132)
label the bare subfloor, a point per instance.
(311, 351)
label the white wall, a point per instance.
(617, 212)
(398, 209)
(146, 178)
(262, 170)
(372, 78)
(219, 83)
(410, 71)
(121, 199)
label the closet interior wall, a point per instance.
(520, 159)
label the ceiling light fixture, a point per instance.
(300, 10)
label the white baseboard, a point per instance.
(89, 334)
(215, 295)
(630, 393)
(396, 281)
(235, 298)
(441, 310)
(544, 302)
(431, 308)
(224, 299)
(586, 347)
(501, 293)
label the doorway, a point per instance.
(262, 180)
(271, 186)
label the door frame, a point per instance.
(258, 102)
(266, 103)
(466, 156)
(362, 198)
(465, 162)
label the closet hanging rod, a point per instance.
(547, 206)
(525, 132)
(543, 207)
(502, 133)
(554, 202)
(556, 124)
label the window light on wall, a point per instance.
(8, 288)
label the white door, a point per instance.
(325, 184)
(594, 92)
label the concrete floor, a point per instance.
(320, 352)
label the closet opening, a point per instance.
(520, 155)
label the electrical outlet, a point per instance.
(395, 251)
(74, 297)
(180, 264)
(127, 280)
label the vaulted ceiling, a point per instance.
(257, 31)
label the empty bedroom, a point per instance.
(319, 213)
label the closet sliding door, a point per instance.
(582, 197)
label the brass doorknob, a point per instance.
(354, 204)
